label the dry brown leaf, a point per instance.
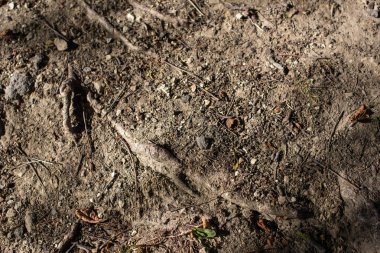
(263, 226)
(232, 122)
(88, 215)
(359, 114)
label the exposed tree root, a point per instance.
(66, 92)
(149, 154)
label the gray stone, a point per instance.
(39, 61)
(20, 84)
(86, 69)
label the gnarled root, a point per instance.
(66, 92)
(149, 154)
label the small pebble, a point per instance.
(11, 5)
(99, 86)
(108, 57)
(86, 69)
(239, 16)
(130, 17)
(253, 161)
(108, 40)
(10, 213)
(61, 44)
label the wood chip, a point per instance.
(232, 122)
(88, 215)
(359, 114)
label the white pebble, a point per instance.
(253, 161)
(11, 5)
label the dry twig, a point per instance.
(95, 17)
(65, 243)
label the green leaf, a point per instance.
(200, 233)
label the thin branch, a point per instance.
(156, 14)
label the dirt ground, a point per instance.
(223, 126)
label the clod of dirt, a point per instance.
(203, 142)
(61, 44)
(373, 10)
(39, 61)
(20, 84)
